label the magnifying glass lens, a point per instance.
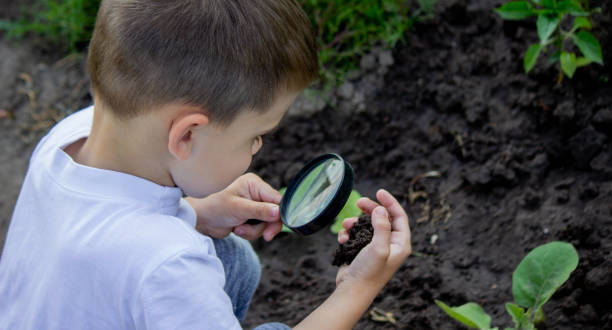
(315, 192)
(316, 195)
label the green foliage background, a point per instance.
(345, 28)
(67, 23)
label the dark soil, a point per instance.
(360, 235)
(521, 160)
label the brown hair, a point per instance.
(220, 55)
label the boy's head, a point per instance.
(223, 62)
(220, 55)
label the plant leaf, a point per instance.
(547, 3)
(554, 57)
(583, 61)
(520, 318)
(539, 317)
(568, 63)
(531, 57)
(349, 210)
(515, 10)
(470, 314)
(589, 46)
(581, 22)
(572, 7)
(547, 25)
(542, 272)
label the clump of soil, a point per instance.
(360, 235)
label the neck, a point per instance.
(128, 146)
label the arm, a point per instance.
(359, 283)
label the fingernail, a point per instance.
(380, 211)
(274, 210)
(240, 231)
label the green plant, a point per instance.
(551, 16)
(349, 210)
(67, 23)
(534, 281)
(347, 29)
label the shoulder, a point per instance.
(69, 129)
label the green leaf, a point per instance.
(531, 57)
(589, 46)
(583, 61)
(520, 318)
(349, 210)
(515, 10)
(554, 57)
(572, 7)
(539, 317)
(542, 272)
(546, 26)
(568, 63)
(581, 22)
(470, 314)
(547, 3)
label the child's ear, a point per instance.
(180, 137)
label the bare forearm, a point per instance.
(343, 308)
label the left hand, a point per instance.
(248, 197)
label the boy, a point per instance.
(101, 237)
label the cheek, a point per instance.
(213, 170)
(231, 166)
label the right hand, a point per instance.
(229, 210)
(390, 246)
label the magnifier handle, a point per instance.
(253, 222)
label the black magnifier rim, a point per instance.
(334, 207)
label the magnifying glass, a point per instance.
(317, 194)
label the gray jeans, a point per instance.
(242, 274)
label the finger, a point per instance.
(250, 232)
(272, 229)
(382, 232)
(349, 222)
(343, 236)
(259, 190)
(244, 208)
(396, 211)
(366, 205)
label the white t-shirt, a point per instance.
(96, 249)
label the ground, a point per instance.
(488, 161)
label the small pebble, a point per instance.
(386, 58)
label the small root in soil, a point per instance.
(379, 315)
(360, 235)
